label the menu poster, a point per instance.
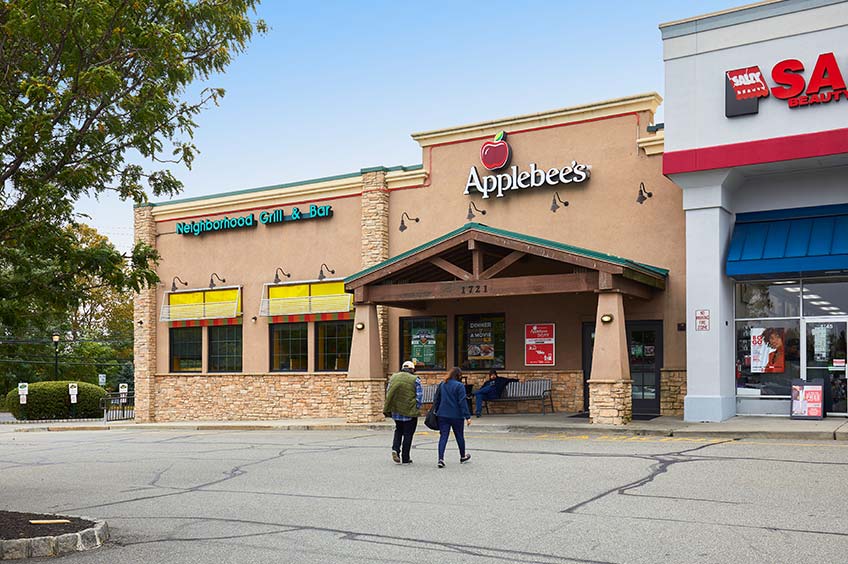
(480, 343)
(807, 399)
(539, 343)
(424, 346)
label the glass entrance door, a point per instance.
(826, 359)
(644, 345)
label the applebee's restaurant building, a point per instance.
(757, 138)
(547, 246)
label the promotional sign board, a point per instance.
(424, 346)
(539, 344)
(480, 342)
(807, 399)
(767, 354)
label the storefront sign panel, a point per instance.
(539, 344)
(745, 86)
(807, 399)
(767, 350)
(495, 155)
(267, 217)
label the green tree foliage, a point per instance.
(88, 88)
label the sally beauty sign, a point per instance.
(495, 155)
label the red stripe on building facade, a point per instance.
(804, 146)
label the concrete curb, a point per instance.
(39, 547)
(839, 434)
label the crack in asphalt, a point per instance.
(662, 463)
(412, 543)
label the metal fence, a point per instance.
(118, 406)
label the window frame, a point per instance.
(413, 318)
(171, 367)
(459, 358)
(209, 343)
(271, 332)
(317, 353)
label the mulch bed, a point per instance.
(14, 525)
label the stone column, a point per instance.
(375, 238)
(369, 350)
(366, 379)
(711, 352)
(610, 387)
(144, 337)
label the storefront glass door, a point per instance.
(826, 359)
(644, 344)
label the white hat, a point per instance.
(408, 364)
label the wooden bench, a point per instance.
(539, 389)
(429, 393)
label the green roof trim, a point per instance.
(627, 263)
(403, 168)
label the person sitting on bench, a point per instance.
(491, 389)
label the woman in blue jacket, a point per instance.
(451, 407)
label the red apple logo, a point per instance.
(495, 154)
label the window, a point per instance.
(481, 341)
(826, 298)
(768, 299)
(288, 347)
(768, 356)
(425, 340)
(225, 348)
(332, 340)
(186, 349)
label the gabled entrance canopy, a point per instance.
(481, 261)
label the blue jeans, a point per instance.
(445, 426)
(480, 396)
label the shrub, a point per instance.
(50, 400)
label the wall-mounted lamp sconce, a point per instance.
(253, 319)
(321, 274)
(360, 326)
(402, 227)
(607, 318)
(174, 283)
(212, 281)
(277, 275)
(470, 215)
(643, 194)
(554, 205)
(140, 322)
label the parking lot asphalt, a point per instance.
(318, 496)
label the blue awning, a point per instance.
(799, 241)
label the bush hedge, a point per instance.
(50, 400)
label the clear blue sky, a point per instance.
(336, 86)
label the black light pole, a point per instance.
(56, 356)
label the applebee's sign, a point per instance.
(495, 156)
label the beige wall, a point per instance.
(249, 257)
(602, 216)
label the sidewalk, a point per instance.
(834, 428)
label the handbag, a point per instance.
(431, 420)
